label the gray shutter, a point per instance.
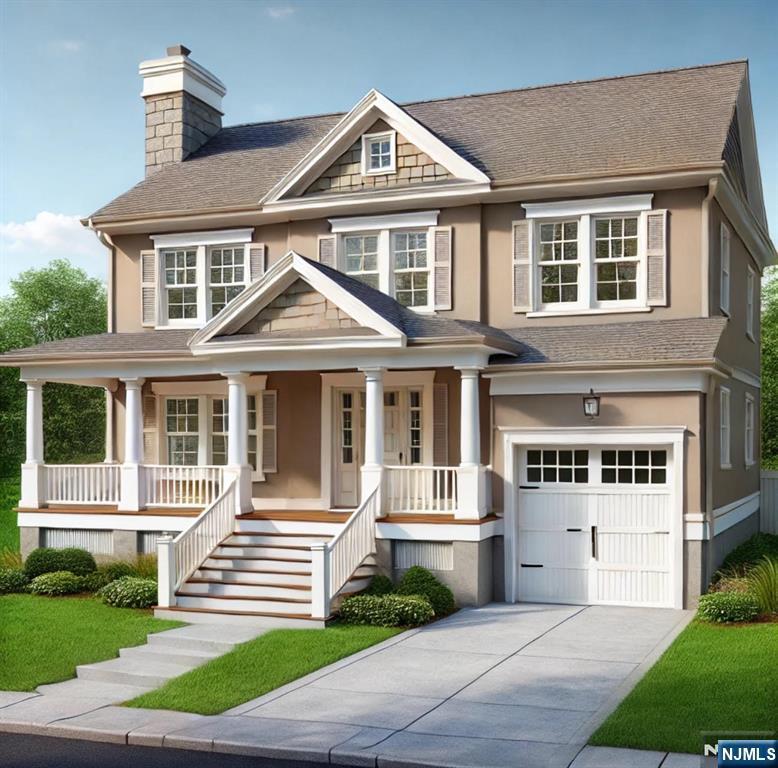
(269, 431)
(328, 250)
(256, 260)
(440, 425)
(656, 257)
(148, 287)
(522, 265)
(150, 431)
(442, 256)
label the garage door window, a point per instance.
(551, 466)
(641, 467)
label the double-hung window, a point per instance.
(180, 271)
(220, 409)
(411, 268)
(616, 258)
(724, 283)
(360, 259)
(750, 423)
(725, 439)
(750, 302)
(226, 276)
(379, 153)
(559, 265)
(183, 428)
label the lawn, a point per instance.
(9, 498)
(259, 666)
(43, 639)
(712, 678)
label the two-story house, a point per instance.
(510, 337)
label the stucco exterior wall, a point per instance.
(126, 305)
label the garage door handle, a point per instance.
(528, 487)
(531, 565)
(594, 542)
(574, 530)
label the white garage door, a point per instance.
(594, 525)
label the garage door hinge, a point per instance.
(531, 565)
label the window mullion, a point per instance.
(586, 268)
(385, 271)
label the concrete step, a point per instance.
(132, 671)
(167, 655)
(275, 539)
(292, 565)
(245, 604)
(214, 587)
(202, 636)
(93, 689)
(290, 551)
(228, 621)
(226, 576)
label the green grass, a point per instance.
(712, 678)
(43, 639)
(259, 666)
(9, 498)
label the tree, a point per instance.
(770, 370)
(55, 302)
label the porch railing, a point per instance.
(420, 489)
(166, 485)
(82, 483)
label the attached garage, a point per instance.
(595, 517)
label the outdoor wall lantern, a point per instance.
(591, 404)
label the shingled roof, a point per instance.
(614, 125)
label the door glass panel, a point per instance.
(557, 466)
(415, 425)
(347, 428)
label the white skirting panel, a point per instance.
(433, 555)
(147, 541)
(96, 542)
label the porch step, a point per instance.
(293, 551)
(291, 564)
(265, 578)
(236, 619)
(217, 588)
(255, 605)
(275, 539)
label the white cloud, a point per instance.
(278, 12)
(48, 236)
(66, 46)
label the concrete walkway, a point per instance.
(504, 685)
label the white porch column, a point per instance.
(109, 417)
(372, 469)
(32, 469)
(237, 438)
(471, 477)
(131, 498)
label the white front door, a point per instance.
(594, 525)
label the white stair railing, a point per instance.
(179, 558)
(421, 489)
(167, 485)
(82, 483)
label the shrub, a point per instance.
(56, 583)
(763, 580)
(380, 585)
(387, 610)
(731, 584)
(46, 560)
(727, 607)
(13, 580)
(95, 581)
(10, 558)
(744, 557)
(117, 569)
(77, 561)
(419, 581)
(146, 566)
(130, 592)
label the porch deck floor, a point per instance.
(112, 509)
(305, 516)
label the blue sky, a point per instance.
(71, 118)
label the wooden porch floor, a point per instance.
(111, 509)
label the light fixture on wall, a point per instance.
(591, 404)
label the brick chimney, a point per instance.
(183, 107)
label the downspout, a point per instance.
(705, 248)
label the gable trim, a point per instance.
(372, 106)
(386, 221)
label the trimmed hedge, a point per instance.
(13, 580)
(47, 560)
(56, 583)
(130, 592)
(387, 610)
(380, 585)
(727, 607)
(419, 581)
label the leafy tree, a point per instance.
(770, 370)
(55, 302)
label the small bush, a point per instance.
(146, 566)
(763, 580)
(728, 607)
(47, 560)
(56, 583)
(380, 585)
(117, 569)
(77, 561)
(419, 581)
(130, 592)
(10, 558)
(386, 610)
(95, 581)
(731, 584)
(744, 557)
(13, 580)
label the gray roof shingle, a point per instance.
(650, 121)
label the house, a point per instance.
(510, 337)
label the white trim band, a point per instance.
(597, 205)
(388, 221)
(214, 237)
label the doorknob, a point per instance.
(594, 542)
(401, 457)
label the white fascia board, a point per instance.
(562, 208)
(372, 107)
(438, 531)
(732, 514)
(741, 374)
(126, 522)
(385, 221)
(341, 344)
(213, 237)
(216, 387)
(665, 435)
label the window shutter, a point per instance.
(148, 287)
(442, 257)
(522, 266)
(150, 433)
(440, 425)
(328, 250)
(725, 268)
(656, 257)
(256, 260)
(269, 431)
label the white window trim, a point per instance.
(751, 284)
(367, 140)
(725, 269)
(749, 422)
(593, 207)
(725, 428)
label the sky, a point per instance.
(71, 117)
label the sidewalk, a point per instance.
(504, 685)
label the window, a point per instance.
(616, 258)
(253, 450)
(180, 283)
(182, 426)
(559, 262)
(411, 269)
(749, 431)
(725, 270)
(415, 425)
(361, 258)
(557, 466)
(634, 467)
(347, 428)
(219, 430)
(226, 276)
(378, 153)
(724, 428)
(750, 301)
